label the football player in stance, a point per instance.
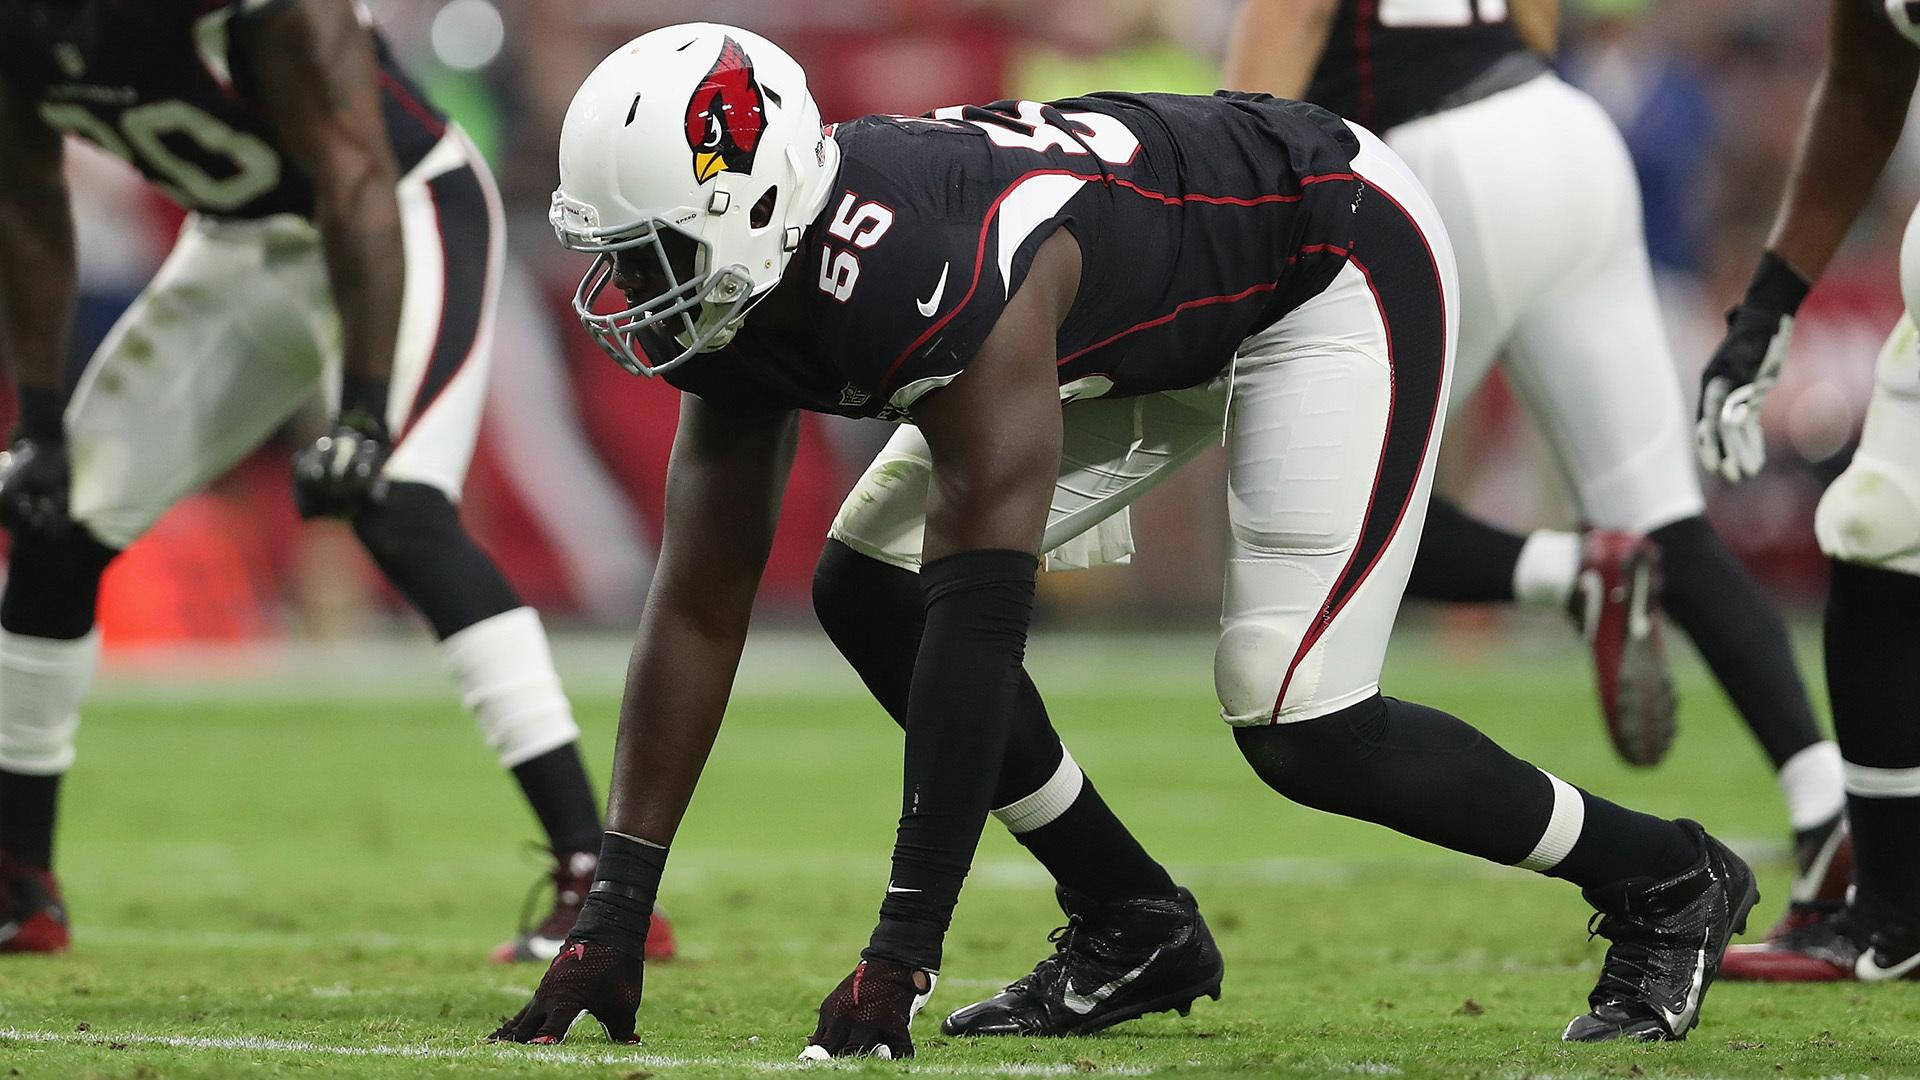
(343, 238)
(1868, 522)
(1534, 184)
(1067, 301)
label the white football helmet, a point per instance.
(701, 143)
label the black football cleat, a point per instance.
(1111, 963)
(1668, 938)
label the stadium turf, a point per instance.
(279, 885)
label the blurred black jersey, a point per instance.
(1389, 61)
(163, 84)
(1200, 222)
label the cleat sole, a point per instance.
(1180, 1002)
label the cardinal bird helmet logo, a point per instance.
(726, 115)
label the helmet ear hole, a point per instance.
(762, 213)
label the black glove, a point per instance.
(871, 1012)
(1726, 428)
(587, 977)
(33, 486)
(340, 472)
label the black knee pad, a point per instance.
(53, 583)
(416, 538)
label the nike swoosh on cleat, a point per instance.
(1083, 1005)
(1681, 1021)
(1639, 622)
(8, 930)
(932, 303)
(892, 888)
(1867, 969)
(543, 948)
(1595, 591)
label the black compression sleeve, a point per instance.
(979, 604)
(619, 907)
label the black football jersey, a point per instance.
(163, 84)
(1201, 220)
(1388, 61)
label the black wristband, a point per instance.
(1776, 287)
(363, 399)
(619, 906)
(42, 414)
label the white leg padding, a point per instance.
(1871, 514)
(1563, 827)
(1045, 805)
(504, 671)
(1814, 786)
(42, 682)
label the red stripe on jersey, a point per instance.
(1226, 298)
(413, 106)
(986, 222)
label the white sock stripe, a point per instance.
(1563, 827)
(1048, 803)
(1811, 781)
(1877, 783)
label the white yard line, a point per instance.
(485, 1052)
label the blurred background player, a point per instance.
(343, 239)
(1539, 195)
(1868, 521)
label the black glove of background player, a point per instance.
(34, 476)
(1744, 368)
(340, 473)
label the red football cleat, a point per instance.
(572, 876)
(1824, 861)
(1616, 602)
(35, 916)
(1862, 940)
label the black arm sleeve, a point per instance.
(979, 605)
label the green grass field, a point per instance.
(275, 883)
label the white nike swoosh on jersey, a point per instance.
(932, 303)
(1679, 1022)
(1867, 969)
(1085, 1004)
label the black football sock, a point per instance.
(1088, 849)
(416, 539)
(1739, 634)
(556, 786)
(1873, 677)
(27, 805)
(874, 613)
(1463, 560)
(1429, 775)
